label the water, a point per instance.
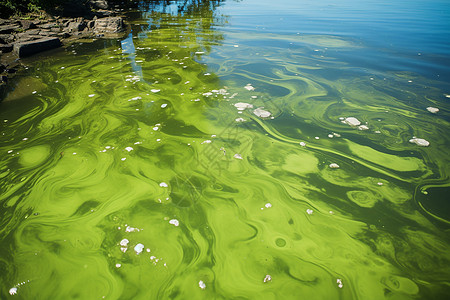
(127, 172)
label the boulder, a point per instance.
(28, 48)
(6, 38)
(109, 25)
(76, 26)
(6, 48)
(98, 4)
(7, 29)
(27, 24)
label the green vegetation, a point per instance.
(20, 7)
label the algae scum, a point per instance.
(213, 155)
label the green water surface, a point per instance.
(109, 144)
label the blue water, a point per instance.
(397, 35)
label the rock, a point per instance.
(7, 29)
(23, 49)
(64, 35)
(98, 4)
(76, 26)
(109, 25)
(6, 38)
(27, 24)
(334, 166)
(419, 142)
(48, 25)
(90, 24)
(6, 48)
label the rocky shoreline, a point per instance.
(25, 37)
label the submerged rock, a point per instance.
(420, 142)
(262, 113)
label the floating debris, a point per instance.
(262, 113)
(163, 184)
(309, 211)
(331, 136)
(334, 166)
(118, 265)
(138, 248)
(91, 95)
(419, 142)
(243, 105)
(13, 291)
(131, 229)
(352, 121)
(249, 87)
(202, 285)
(240, 120)
(123, 158)
(164, 105)
(267, 278)
(268, 205)
(206, 142)
(129, 149)
(237, 156)
(135, 98)
(155, 90)
(380, 183)
(363, 127)
(174, 222)
(432, 110)
(339, 282)
(303, 144)
(124, 242)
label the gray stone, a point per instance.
(99, 4)
(48, 25)
(6, 29)
(27, 24)
(6, 48)
(109, 25)
(76, 26)
(23, 49)
(6, 38)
